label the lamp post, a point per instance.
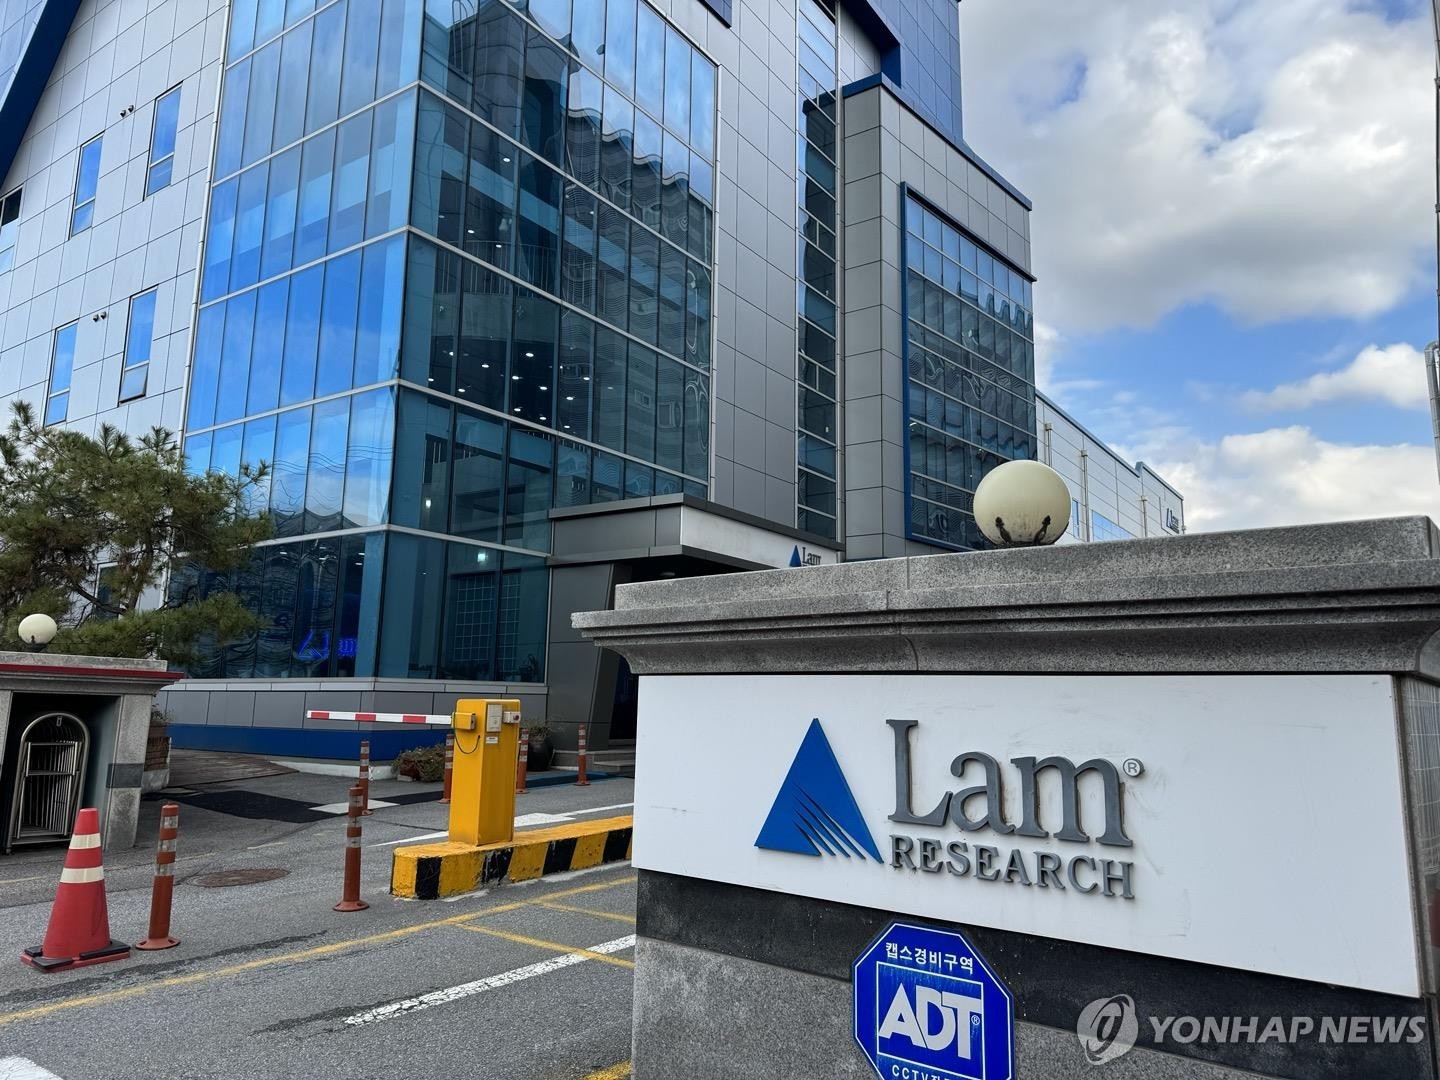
(1022, 504)
(37, 631)
(1432, 378)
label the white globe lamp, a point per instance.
(37, 630)
(1022, 504)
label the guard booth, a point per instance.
(72, 734)
(52, 752)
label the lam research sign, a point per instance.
(927, 1007)
(1157, 814)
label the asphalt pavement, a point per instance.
(268, 982)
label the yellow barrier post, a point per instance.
(482, 795)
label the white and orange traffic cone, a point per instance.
(79, 930)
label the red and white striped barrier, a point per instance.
(379, 717)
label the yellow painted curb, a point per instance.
(430, 871)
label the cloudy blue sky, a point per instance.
(1234, 236)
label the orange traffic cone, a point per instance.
(79, 931)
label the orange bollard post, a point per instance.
(365, 778)
(581, 780)
(351, 901)
(163, 891)
(522, 765)
(449, 765)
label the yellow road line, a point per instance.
(553, 946)
(613, 915)
(614, 1072)
(291, 957)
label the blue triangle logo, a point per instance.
(795, 559)
(815, 813)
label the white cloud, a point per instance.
(1289, 476)
(1395, 375)
(1271, 156)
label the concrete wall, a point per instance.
(118, 54)
(886, 145)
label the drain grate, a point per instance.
(226, 878)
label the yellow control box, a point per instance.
(482, 783)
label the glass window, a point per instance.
(697, 424)
(352, 174)
(478, 476)
(292, 465)
(205, 367)
(87, 181)
(612, 284)
(480, 376)
(139, 338)
(261, 106)
(524, 615)
(677, 83)
(258, 450)
(499, 68)
(294, 84)
(650, 62)
(225, 451)
(162, 141)
(542, 123)
(587, 32)
(269, 20)
(279, 244)
(538, 253)
(608, 423)
(573, 377)
(235, 357)
(382, 292)
(62, 364)
(9, 228)
(302, 336)
(582, 136)
(675, 191)
(268, 351)
(615, 148)
(316, 579)
(362, 56)
(640, 403)
(572, 474)
(390, 163)
(702, 105)
(532, 358)
(338, 317)
(399, 63)
(527, 489)
(644, 281)
(220, 243)
(620, 44)
(411, 615)
(197, 454)
(577, 265)
(230, 143)
(432, 316)
(249, 227)
(649, 147)
(639, 481)
(553, 16)
(423, 452)
(242, 27)
(490, 198)
(325, 67)
(440, 159)
(371, 452)
(326, 483)
(697, 316)
(316, 167)
(673, 287)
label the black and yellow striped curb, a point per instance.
(430, 871)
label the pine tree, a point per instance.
(91, 528)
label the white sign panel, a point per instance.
(1252, 822)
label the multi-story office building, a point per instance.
(520, 299)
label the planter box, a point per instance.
(157, 764)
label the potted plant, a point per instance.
(424, 763)
(157, 752)
(542, 747)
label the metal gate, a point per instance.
(50, 779)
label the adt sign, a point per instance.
(928, 1008)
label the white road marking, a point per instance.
(524, 821)
(344, 807)
(18, 1068)
(479, 986)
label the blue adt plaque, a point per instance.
(928, 1008)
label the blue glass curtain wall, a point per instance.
(970, 357)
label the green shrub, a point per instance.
(429, 761)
